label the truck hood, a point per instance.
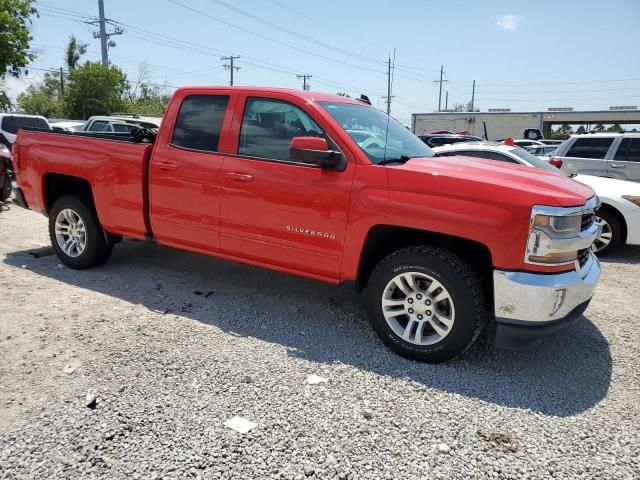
(500, 181)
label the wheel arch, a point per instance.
(56, 185)
(382, 240)
(616, 213)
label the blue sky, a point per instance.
(523, 55)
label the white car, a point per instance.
(619, 214)
(68, 126)
(120, 123)
(10, 123)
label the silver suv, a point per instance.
(615, 155)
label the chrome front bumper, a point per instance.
(529, 305)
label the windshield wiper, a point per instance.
(400, 159)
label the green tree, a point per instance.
(74, 51)
(599, 128)
(615, 128)
(581, 130)
(149, 100)
(15, 19)
(562, 132)
(94, 89)
(44, 98)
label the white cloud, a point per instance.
(510, 22)
(16, 86)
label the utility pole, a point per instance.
(305, 85)
(440, 82)
(389, 86)
(390, 69)
(229, 66)
(61, 82)
(103, 35)
(446, 101)
(473, 95)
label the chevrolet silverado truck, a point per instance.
(333, 189)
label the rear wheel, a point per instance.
(611, 235)
(426, 303)
(76, 234)
(5, 186)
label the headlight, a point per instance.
(632, 199)
(555, 235)
(558, 227)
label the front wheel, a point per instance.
(426, 303)
(76, 234)
(611, 233)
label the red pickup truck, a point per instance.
(329, 188)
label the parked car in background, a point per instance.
(6, 169)
(120, 123)
(438, 139)
(541, 150)
(68, 126)
(615, 155)
(525, 142)
(10, 123)
(547, 141)
(276, 178)
(619, 214)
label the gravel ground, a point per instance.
(175, 344)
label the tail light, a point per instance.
(555, 162)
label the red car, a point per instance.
(329, 188)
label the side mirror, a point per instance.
(315, 151)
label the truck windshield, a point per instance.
(367, 126)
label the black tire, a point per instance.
(615, 230)
(97, 249)
(456, 276)
(5, 186)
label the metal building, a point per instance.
(502, 124)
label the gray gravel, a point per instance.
(173, 345)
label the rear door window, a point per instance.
(13, 123)
(100, 126)
(124, 127)
(629, 150)
(590, 148)
(199, 122)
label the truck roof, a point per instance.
(303, 94)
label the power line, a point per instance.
(266, 37)
(296, 34)
(564, 99)
(558, 83)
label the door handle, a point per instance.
(618, 165)
(167, 166)
(239, 177)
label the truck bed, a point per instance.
(115, 166)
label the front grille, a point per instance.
(587, 220)
(583, 256)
